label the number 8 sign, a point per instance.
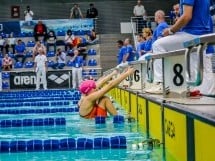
(174, 74)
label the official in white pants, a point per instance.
(40, 67)
(76, 69)
(169, 43)
(76, 77)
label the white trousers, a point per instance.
(165, 44)
(175, 42)
(76, 77)
(41, 75)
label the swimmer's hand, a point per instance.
(130, 70)
(115, 72)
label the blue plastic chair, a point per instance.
(5, 75)
(91, 52)
(30, 44)
(29, 64)
(61, 33)
(92, 62)
(18, 65)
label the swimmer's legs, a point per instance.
(107, 104)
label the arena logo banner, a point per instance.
(27, 80)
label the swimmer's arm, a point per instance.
(98, 94)
(100, 82)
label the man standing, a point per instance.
(140, 13)
(92, 12)
(28, 13)
(40, 67)
(76, 69)
(75, 12)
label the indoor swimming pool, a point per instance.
(45, 126)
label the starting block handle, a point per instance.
(199, 71)
(150, 70)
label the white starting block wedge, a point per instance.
(174, 83)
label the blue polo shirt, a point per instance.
(130, 52)
(200, 22)
(20, 48)
(158, 32)
(140, 47)
(78, 62)
(121, 52)
(148, 45)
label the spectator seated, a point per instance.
(92, 62)
(5, 75)
(51, 40)
(50, 54)
(30, 44)
(50, 63)
(91, 52)
(20, 51)
(18, 65)
(29, 64)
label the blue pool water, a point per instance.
(75, 128)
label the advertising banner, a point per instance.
(27, 80)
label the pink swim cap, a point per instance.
(87, 86)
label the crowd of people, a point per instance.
(187, 24)
(14, 50)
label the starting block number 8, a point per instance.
(178, 79)
(174, 74)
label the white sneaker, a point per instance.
(155, 89)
